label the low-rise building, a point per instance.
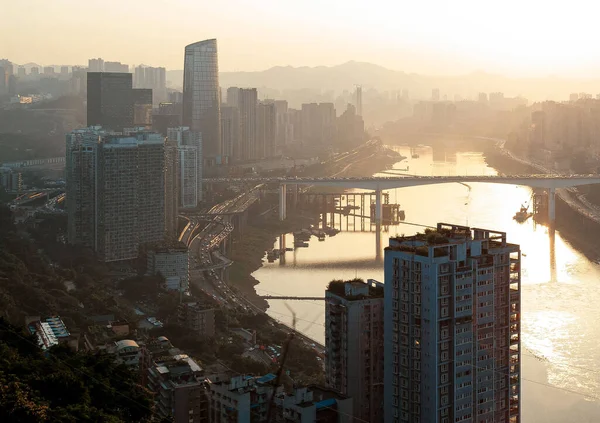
(126, 352)
(172, 262)
(313, 404)
(50, 331)
(198, 318)
(180, 389)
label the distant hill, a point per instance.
(345, 76)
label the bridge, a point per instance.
(378, 184)
(283, 297)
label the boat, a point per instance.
(523, 214)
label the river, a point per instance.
(560, 286)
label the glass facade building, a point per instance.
(109, 100)
(201, 99)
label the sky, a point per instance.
(437, 37)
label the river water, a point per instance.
(560, 286)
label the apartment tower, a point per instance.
(354, 341)
(452, 333)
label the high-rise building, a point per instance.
(265, 130)
(115, 191)
(189, 164)
(115, 67)
(96, 65)
(109, 100)
(247, 105)
(354, 342)
(435, 94)
(233, 95)
(230, 131)
(318, 124)
(171, 188)
(151, 78)
(64, 70)
(172, 261)
(452, 327)
(49, 70)
(350, 128)
(35, 71)
(142, 106)
(359, 101)
(201, 102)
(21, 72)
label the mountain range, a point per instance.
(347, 75)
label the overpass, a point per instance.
(549, 182)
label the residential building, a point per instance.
(10, 179)
(201, 102)
(35, 71)
(180, 390)
(230, 130)
(233, 95)
(172, 189)
(125, 351)
(198, 318)
(190, 144)
(354, 312)
(109, 100)
(172, 261)
(245, 399)
(266, 131)
(242, 399)
(115, 191)
(49, 70)
(115, 67)
(318, 124)
(452, 333)
(96, 65)
(151, 78)
(350, 128)
(247, 105)
(142, 106)
(313, 404)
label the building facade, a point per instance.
(189, 144)
(266, 130)
(201, 99)
(109, 100)
(354, 342)
(452, 334)
(230, 130)
(247, 105)
(198, 318)
(172, 262)
(115, 191)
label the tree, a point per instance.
(62, 385)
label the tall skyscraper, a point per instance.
(189, 145)
(115, 191)
(452, 327)
(318, 124)
(230, 131)
(115, 67)
(359, 101)
(265, 130)
(354, 342)
(247, 104)
(201, 102)
(151, 78)
(435, 94)
(171, 189)
(109, 100)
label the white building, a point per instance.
(354, 343)
(186, 141)
(172, 262)
(452, 333)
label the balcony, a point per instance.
(514, 340)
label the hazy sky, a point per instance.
(516, 37)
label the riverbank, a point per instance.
(261, 234)
(581, 232)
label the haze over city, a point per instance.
(435, 37)
(314, 211)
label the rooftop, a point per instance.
(356, 289)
